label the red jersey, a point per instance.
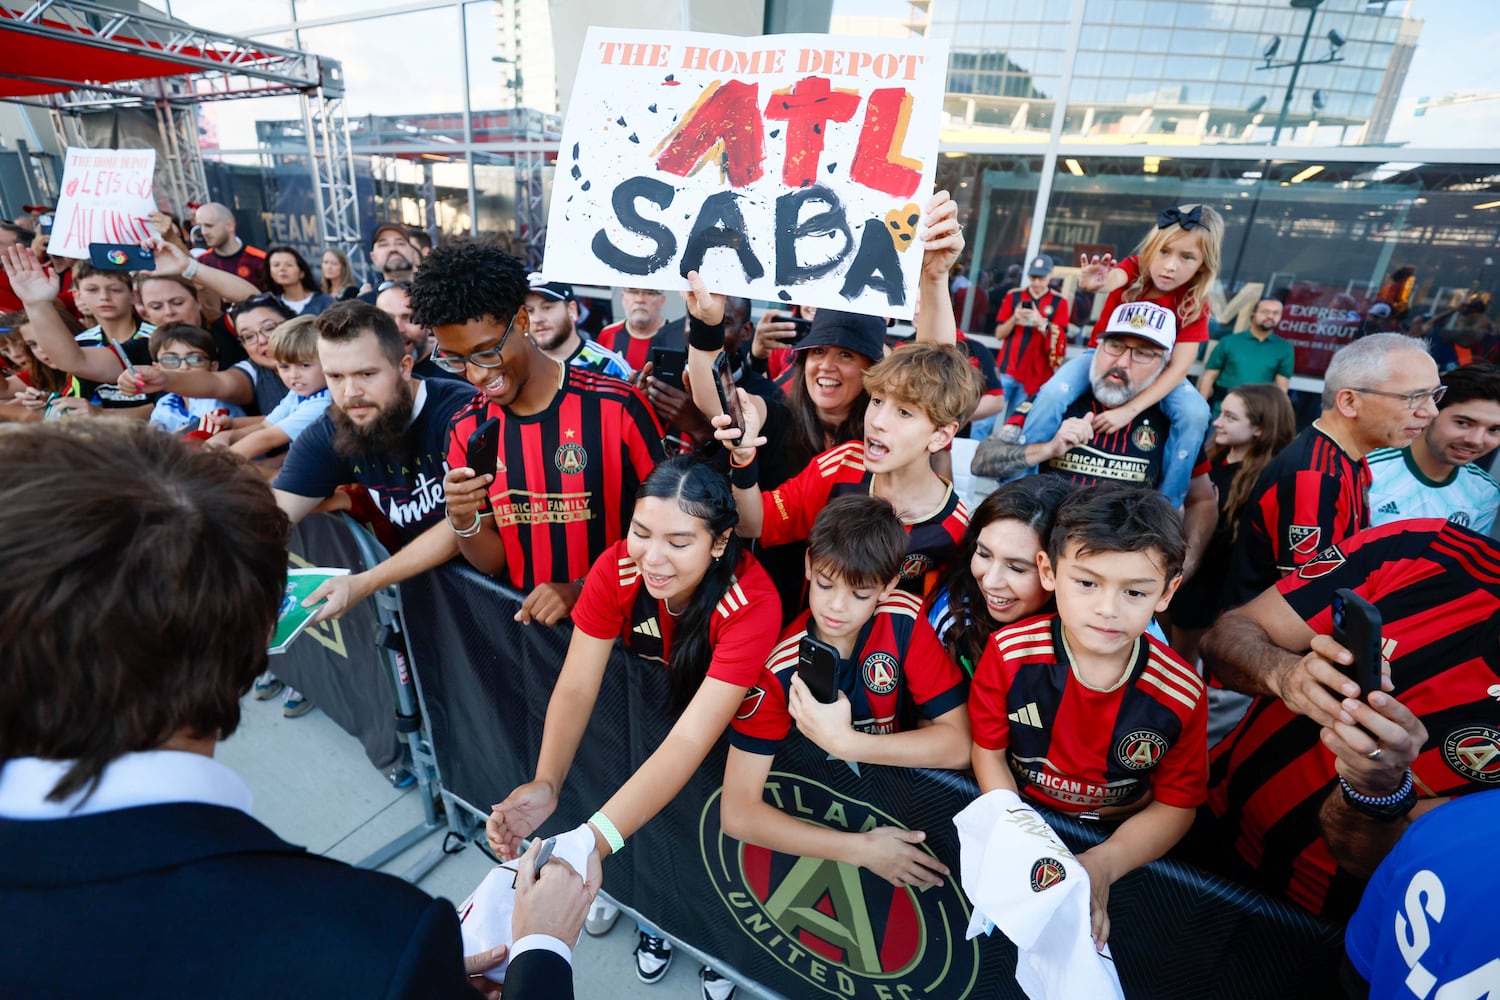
(637, 350)
(896, 653)
(615, 605)
(248, 262)
(1188, 331)
(1437, 587)
(1076, 748)
(788, 512)
(1311, 495)
(566, 479)
(1030, 354)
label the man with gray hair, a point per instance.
(1379, 392)
(226, 251)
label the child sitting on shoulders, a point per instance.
(1084, 712)
(886, 658)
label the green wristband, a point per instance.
(612, 837)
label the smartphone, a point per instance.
(804, 327)
(668, 365)
(817, 662)
(121, 257)
(1356, 627)
(729, 397)
(483, 454)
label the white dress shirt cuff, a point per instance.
(541, 942)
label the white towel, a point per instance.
(1021, 878)
(485, 916)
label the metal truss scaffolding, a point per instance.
(73, 56)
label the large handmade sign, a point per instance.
(106, 198)
(782, 167)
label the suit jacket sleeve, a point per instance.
(539, 974)
(432, 965)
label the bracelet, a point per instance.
(744, 477)
(191, 271)
(1382, 807)
(468, 532)
(612, 837)
(705, 336)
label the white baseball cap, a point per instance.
(1146, 320)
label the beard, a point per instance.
(1112, 394)
(555, 337)
(385, 435)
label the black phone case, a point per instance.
(729, 400)
(667, 366)
(817, 663)
(484, 448)
(1356, 627)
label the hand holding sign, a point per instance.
(106, 198)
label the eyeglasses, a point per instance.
(251, 336)
(182, 360)
(1117, 348)
(1413, 400)
(490, 357)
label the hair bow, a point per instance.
(1188, 220)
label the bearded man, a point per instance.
(1133, 351)
(384, 431)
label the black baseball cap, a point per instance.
(554, 291)
(850, 331)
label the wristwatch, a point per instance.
(1383, 807)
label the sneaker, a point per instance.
(296, 705)
(714, 986)
(267, 686)
(601, 918)
(652, 957)
(399, 776)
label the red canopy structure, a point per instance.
(72, 56)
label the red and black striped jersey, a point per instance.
(637, 350)
(896, 657)
(1135, 454)
(1437, 586)
(566, 480)
(1077, 748)
(616, 605)
(789, 510)
(1312, 495)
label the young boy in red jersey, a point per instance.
(919, 396)
(1081, 710)
(885, 648)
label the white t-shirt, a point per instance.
(1399, 491)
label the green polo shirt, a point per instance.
(1241, 359)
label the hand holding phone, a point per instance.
(729, 398)
(668, 365)
(121, 257)
(1356, 627)
(483, 454)
(817, 665)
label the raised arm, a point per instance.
(37, 288)
(172, 260)
(942, 243)
(231, 385)
(705, 342)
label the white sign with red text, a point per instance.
(106, 198)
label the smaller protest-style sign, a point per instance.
(788, 168)
(106, 198)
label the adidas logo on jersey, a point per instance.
(1390, 508)
(648, 627)
(1027, 716)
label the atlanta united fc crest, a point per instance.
(570, 458)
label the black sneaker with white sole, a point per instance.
(653, 955)
(714, 986)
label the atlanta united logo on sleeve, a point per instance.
(1046, 873)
